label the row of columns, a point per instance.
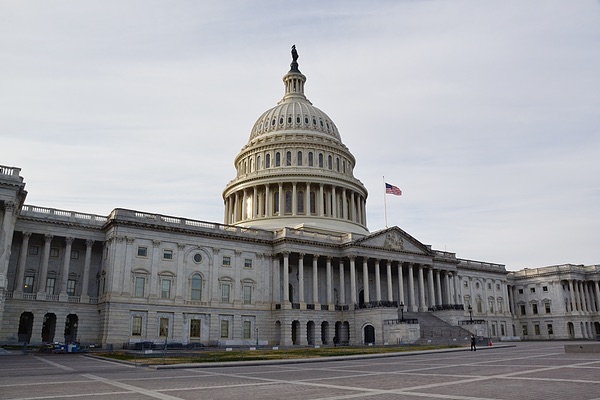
(257, 202)
(494, 294)
(43, 273)
(438, 294)
(582, 299)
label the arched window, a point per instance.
(257, 162)
(288, 202)
(277, 159)
(196, 287)
(320, 160)
(300, 201)
(329, 162)
(299, 159)
(268, 161)
(312, 203)
(288, 158)
(276, 202)
(310, 158)
(337, 164)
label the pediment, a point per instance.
(394, 239)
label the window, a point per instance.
(225, 290)
(165, 285)
(489, 286)
(248, 263)
(313, 200)
(28, 284)
(277, 159)
(197, 258)
(520, 291)
(320, 160)
(497, 286)
(168, 254)
(491, 305)
(466, 284)
(532, 290)
(196, 287)
(536, 329)
(136, 326)
(288, 158)
(268, 161)
(550, 330)
(547, 307)
(34, 250)
(502, 333)
(140, 283)
(310, 159)
(524, 330)
(476, 285)
(257, 162)
(163, 327)
(247, 330)
(276, 202)
(300, 201)
(522, 307)
(71, 287)
(299, 159)
(226, 261)
(50, 282)
(74, 255)
(329, 162)
(142, 251)
(288, 202)
(534, 308)
(195, 328)
(224, 329)
(54, 252)
(544, 288)
(247, 291)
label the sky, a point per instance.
(486, 113)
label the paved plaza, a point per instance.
(526, 371)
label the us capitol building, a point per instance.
(293, 263)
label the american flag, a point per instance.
(391, 189)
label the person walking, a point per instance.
(473, 346)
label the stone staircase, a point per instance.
(436, 331)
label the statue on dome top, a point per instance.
(294, 63)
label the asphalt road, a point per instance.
(528, 371)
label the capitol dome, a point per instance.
(295, 171)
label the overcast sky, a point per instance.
(485, 113)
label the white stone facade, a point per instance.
(293, 264)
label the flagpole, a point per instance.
(384, 204)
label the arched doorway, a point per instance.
(325, 332)
(310, 332)
(369, 331)
(295, 329)
(571, 330)
(71, 328)
(48, 328)
(25, 327)
(597, 328)
(345, 335)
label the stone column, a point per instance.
(281, 203)
(307, 199)
(572, 295)
(45, 259)
(411, 289)
(344, 205)
(447, 281)
(301, 278)
(286, 276)
(401, 299)
(255, 203)
(236, 207)
(438, 285)
(342, 284)
(432, 302)
(456, 285)
(85, 281)
(315, 276)
(597, 291)
(294, 199)
(22, 262)
(586, 296)
(329, 281)
(334, 203)
(377, 281)
(65, 269)
(320, 201)
(422, 305)
(352, 280)
(388, 274)
(268, 202)
(6, 234)
(366, 279)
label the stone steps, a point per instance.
(436, 331)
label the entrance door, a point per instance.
(369, 334)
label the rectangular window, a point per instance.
(247, 294)
(168, 254)
(140, 283)
(28, 284)
(536, 329)
(547, 307)
(71, 287)
(502, 330)
(165, 292)
(466, 284)
(247, 263)
(50, 282)
(225, 289)
(247, 330)
(491, 305)
(196, 288)
(226, 261)
(34, 250)
(195, 328)
(522, 307)
(534, 308)
(525, 330)
(163, 327)
(54, 252)
(550, 330)
(224, 329)
(532, 290)
(497, 286)
(520, 291)
(142, 251)
(544, 288)
(489, 286)
(74, 255)
(136, 326)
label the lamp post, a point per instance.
(257, 337)
(470, 313)
(402, 311)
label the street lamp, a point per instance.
(470, 313)
(257, 337)
(402, 311)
